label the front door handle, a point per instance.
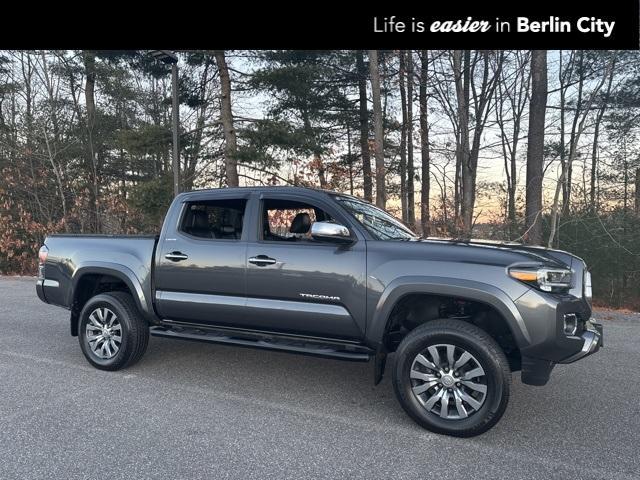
(176, 256)
(262, 260)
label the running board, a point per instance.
(335, 350)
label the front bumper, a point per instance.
(592, 341)
(549, 345)
(536, 371)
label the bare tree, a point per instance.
(90, 104)
(461, 73)
(226, 116)
(403, 136)
(411, 208)
(424, 146)
(374, 69)
(52, 152)
(445, 88)
(596, 136)
(192, 156)
(637, 192)
(481, 97)
(535, 148)
(364, 126)
(512, 94)
(582, 111)
(567, 165)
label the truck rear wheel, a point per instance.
(112, 333)
(451, 377)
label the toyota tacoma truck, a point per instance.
(326, 274)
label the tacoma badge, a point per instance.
(320, 297)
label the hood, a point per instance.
(500, 253)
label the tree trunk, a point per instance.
(424, 148)
(403, 137)
(350, 159)
(191, 156)
(481, 102)
(637, 192)
(374, 69)
(564, 76)
(513, 180)
(625, 179)
(516, 95)
(535, 148)
(461, 66)
(90, 104)
(364, 127)
(594, 153)
(594, 160)
(573, 140)
(226, 115)
(322, 176)
(411, 208)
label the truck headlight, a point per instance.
(546, 279)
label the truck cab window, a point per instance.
(378, 223)
(214, 219)
(286, 220)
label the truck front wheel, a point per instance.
(111, 331)
(451, 377)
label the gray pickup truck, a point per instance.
(326, 274)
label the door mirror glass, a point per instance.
(331, 232)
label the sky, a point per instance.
(491, 167)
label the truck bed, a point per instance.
(68, 254)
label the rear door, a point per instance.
(299, 285)
(201, 260)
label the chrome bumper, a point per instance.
(592, 339)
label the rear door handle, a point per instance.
(262, 260)
(176, 256)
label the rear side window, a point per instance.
(214, 219)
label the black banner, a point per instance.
(532, 25)
(590, 31)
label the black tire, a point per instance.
(487, 353)
(135, 330)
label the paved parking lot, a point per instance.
(191, 410)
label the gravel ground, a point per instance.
(191, 410)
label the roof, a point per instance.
(261, 189)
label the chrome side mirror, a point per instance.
(331, 232)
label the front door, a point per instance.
(200, 266)
(299, 285)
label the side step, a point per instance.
(269, 341)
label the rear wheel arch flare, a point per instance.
(90, 281)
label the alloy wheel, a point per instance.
(448, 381)
(103, 333)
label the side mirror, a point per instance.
(331, 232)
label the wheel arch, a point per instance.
(463, 289)
(450, 287)
(86, 276)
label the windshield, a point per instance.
(376, 221)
